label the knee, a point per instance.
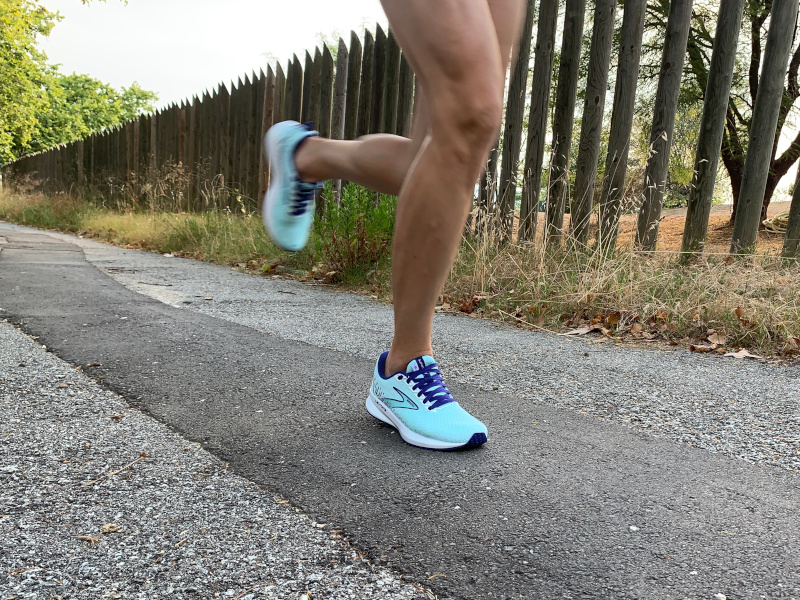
(469, 127)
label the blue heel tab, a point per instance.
(381, 367)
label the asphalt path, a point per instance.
(556, 505)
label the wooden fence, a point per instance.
(215, 139)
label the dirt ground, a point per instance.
(670, 232)
(720, 229)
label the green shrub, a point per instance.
(354, 236)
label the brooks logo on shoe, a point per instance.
(404, 402)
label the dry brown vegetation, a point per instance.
(713, 304)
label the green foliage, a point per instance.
(40, 107)
(79, 105)
(354, 236)
(23, 73)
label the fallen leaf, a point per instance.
(89, 538)
(636, 328)
(717, 338)
(742, 353)
(579, 331)
(111, 528)
(700, 348)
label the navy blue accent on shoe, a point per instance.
(479, 439)
(430, 382)
(302, 197)
(382, 365)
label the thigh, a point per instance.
(451, 45)
(507, 17)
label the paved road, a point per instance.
(557, 505)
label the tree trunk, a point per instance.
(712, 125)
(512, 135)
(592, 123)
(791, 245)
(537, 119)
(621, 122)
(763, 126)
(486, 193)
(669, 82)
(563, 117)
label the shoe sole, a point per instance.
(276, 183)
(381, 412)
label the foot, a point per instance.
(418, 404)
(288, 208)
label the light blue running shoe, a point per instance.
(288, 208)
(418, 404)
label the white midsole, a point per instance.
(380, 411)
(266, 207)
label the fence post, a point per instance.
(619, 141)
(392, 84)
(712, 125)
(280, 93)
(353, 87)
(308, 79)
(314, 109)
(669, 81)
(339, 104)
(405, 98)
(294, 91)
(487, 190)
(222, 114)
(379, 82)
(791, 244)
(592, 122)
(326, 92)
(268, 118)
(763, 126)
(563, 118)
(367, 79)
(254, 119)
(537, 119)
(512, 134)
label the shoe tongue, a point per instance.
(419, 363)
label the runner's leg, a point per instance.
(378, 161)
(459, 50)
(381, 161)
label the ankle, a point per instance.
(398, 361)
(304, 159)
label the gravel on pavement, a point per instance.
(98, 500)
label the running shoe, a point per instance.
(418, 404)
(288, 208)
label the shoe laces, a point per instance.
(430, 383)
(302, 197)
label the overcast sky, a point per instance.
(180, 47)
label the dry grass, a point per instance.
(752, 302)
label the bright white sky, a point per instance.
(177, 48)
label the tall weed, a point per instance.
(353, 236)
